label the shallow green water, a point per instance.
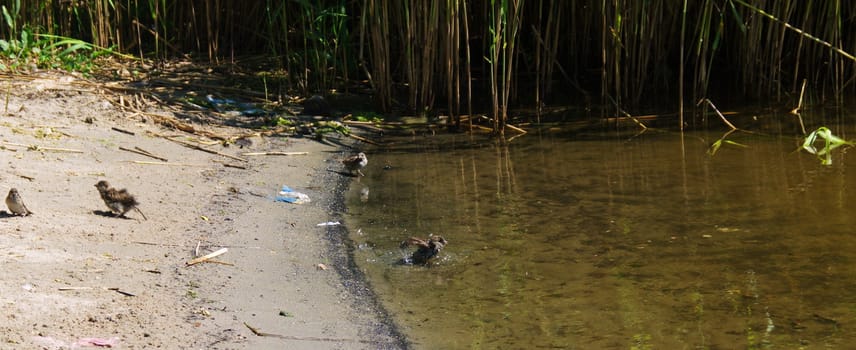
(604, 242)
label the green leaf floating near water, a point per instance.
(723, 141)
(830, 142)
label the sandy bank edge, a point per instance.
(288, 296)
(73, 274)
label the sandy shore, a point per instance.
(75, 276)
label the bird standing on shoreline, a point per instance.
(16, 204)
(356, 162)
(119, 201)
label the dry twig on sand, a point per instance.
(137, 150)
(165, 163)
(207, 256)
(115, 289)
(294, 337)
(275, 153)
(200, 148)
(234, 166)
(40, 148)
(123, 131)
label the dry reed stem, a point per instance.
(143, 162)
(199, 148)
(275, 153)
(123, 131)
(140, 152)
(207, 257)
(40, 148)
(725, 120)
(259, 333)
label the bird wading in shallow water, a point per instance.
(426, 248)
(119, 201)
(16, 204)
(356, 162)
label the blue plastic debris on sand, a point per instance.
(289, 195)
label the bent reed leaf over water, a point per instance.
(460, 58)
(830, 142)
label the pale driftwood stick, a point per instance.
(198, 148)
(207, 256)
(364, 125)
(512, 127)
(73, 288)
(357, 122)
(164, 163)
(123, 131)
(518, 135)
(275, 153)
(480, 127)
(142, 153)
(196, 251)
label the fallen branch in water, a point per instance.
(519, 130)
(719, 114)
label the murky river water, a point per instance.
(613, 242)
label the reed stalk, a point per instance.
(422, 51)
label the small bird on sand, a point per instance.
(426, 248)
(16, 204)
(356, 162)
(119, 201)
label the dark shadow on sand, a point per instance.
(110, 214)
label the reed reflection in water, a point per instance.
(602, 243)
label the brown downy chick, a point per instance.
(356, 162)
(426, 248)
(119, 201)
